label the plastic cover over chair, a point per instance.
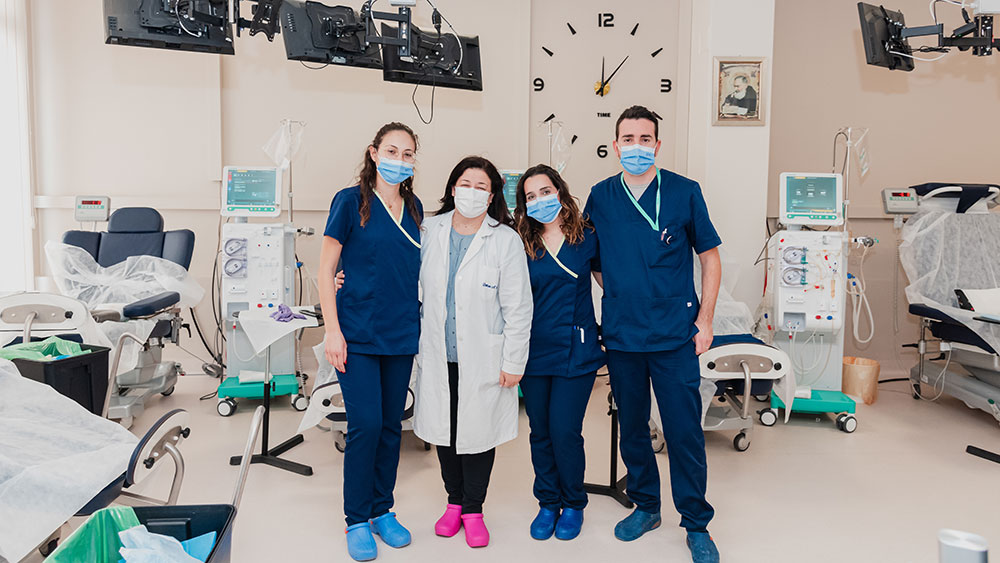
(55, 457)
(78, 275)
(942, 252)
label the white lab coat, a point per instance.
(493, 309)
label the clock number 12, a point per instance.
(606, 20)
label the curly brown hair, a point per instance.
(366, 178)
(573, 223)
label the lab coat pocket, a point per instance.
(356, 319)
(489, 281)
(666, 248)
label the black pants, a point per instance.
(466, 476)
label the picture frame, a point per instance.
(738, 91)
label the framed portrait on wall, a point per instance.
(738, 91)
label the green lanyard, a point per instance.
(628, 192)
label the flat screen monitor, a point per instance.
(881, 31)
(510, 180)
(445, 61)
(251, 192)
(324, 34)
(191, 25)
(811, 199)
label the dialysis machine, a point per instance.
(808, 277)
(257, 261)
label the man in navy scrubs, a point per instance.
(649, 221)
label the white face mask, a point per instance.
(470, 202)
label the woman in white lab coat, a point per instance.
(474, 332)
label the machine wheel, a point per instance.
(741, 442)
(762, 398)
(847, 423)
(768, 417)
(300, 402)
(48, 548)
(168, 392)
(226, 407)
(339, 441)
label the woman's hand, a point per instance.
(509, 380)
(336, 350)
(339, 280)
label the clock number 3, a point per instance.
(666, 85)
(606, 20)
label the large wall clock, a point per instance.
(590, 60)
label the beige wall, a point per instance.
(937, 123)
(152, 127)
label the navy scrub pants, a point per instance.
(374, 389)
(555, 407)
(675, 379)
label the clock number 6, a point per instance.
(602, 151)
(539, 84)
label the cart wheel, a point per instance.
(658, 442)
(339, 441)
(847, 423)
(300, 402)
(427, 447)
(741, 442)
(768, 417)
(762, 398)
(916, 390)
(226, 407)
(48, 548)
(168, 392)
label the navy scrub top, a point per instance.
(649, 303)
(563, 328)
(378, 307)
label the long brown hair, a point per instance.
(531, 230)
(366, 178)
(498, 207)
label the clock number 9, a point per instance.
(602, 151)
(539, 84)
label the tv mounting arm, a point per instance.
(403, 39)
(980, 28)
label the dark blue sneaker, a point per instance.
(636, 524)
(544, 524)
(569, 524)
(702, 548)
(390, 530)
(360, 543)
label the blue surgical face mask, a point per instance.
(636, 159)
(394, 171)
(544, 209)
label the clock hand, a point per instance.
(608, 81)
(601, 91)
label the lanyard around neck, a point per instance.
(655, 225)
(398, 222)
(556, 258)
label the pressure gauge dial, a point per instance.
(794, 255)
(235, 268)
(793, 276)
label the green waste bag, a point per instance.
(96, 541)
(44, 350)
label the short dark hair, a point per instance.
(639, 112)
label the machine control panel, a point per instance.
(257, 264)
(92, 208)
(899, 201)
(810, 270)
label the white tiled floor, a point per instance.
(803, 492)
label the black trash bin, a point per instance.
(83, 378)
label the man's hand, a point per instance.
(702, 340)
(509, 380)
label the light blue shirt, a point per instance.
(458, 244)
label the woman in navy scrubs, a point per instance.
(564, 353)
(372, 327)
